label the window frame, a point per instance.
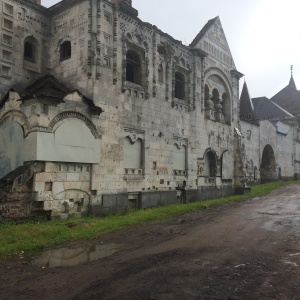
(65, 50)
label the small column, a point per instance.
(219, 110)
(209, 108)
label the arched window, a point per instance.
(65, 50)
(210, 165)
(133, 67)
(179, 86)
(30, 49)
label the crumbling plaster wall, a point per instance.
(251, 157)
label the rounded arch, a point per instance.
(71, 194)
(223, 77)
(210, 163)
(30, 48)
(268, 165)
(57, 120)
(19, 117)
(63, 39)
(227, 169)
(219, 88)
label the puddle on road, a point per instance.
(66, 257)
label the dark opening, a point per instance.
(206, 92)
(212, 164)
(65, 50)
(133, 67)
(179, 86)
(29, 51)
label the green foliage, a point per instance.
(30, 235)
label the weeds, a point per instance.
(31, 236)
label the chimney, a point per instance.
(128, 2)
(39, 2)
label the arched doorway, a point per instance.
(268, 165)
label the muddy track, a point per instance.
(247, 250)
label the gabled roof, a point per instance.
(45, 87)
(48, 87)
(265, 109)
(289, 98)
(246, 105)
(203, 31)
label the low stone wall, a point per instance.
(152, 199)
(124, 202)
(206, 193)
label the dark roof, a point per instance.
(289, 98)
(45, 87)
(292, 83)
(203, 31)
(246, 106)
(48, 87)
(265, 109)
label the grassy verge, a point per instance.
(31, 236)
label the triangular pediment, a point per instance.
(46, 87)
(50, 89)
(211, 39)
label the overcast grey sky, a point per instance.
(263, 35)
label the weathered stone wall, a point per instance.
(22, 20)
(182, 140)
(285, 155)
(251, 155)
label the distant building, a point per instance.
(271, 144)
(101, 112)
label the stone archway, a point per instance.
(268, 165)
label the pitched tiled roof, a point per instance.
(265, 109)
(289, 98)
(48, 87)
(246, 106)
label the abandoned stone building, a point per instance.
(101, 112)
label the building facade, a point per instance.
(101, 112)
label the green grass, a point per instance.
(31, 236)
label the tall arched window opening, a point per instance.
(30, 49)
(210, 165)
(133, 67)
(179, 86)
(65, 50)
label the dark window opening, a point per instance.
(179, 86)
(29, 51)
(211, 165)
(65, 50)
(133, 67)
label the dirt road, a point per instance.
(247, 250)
